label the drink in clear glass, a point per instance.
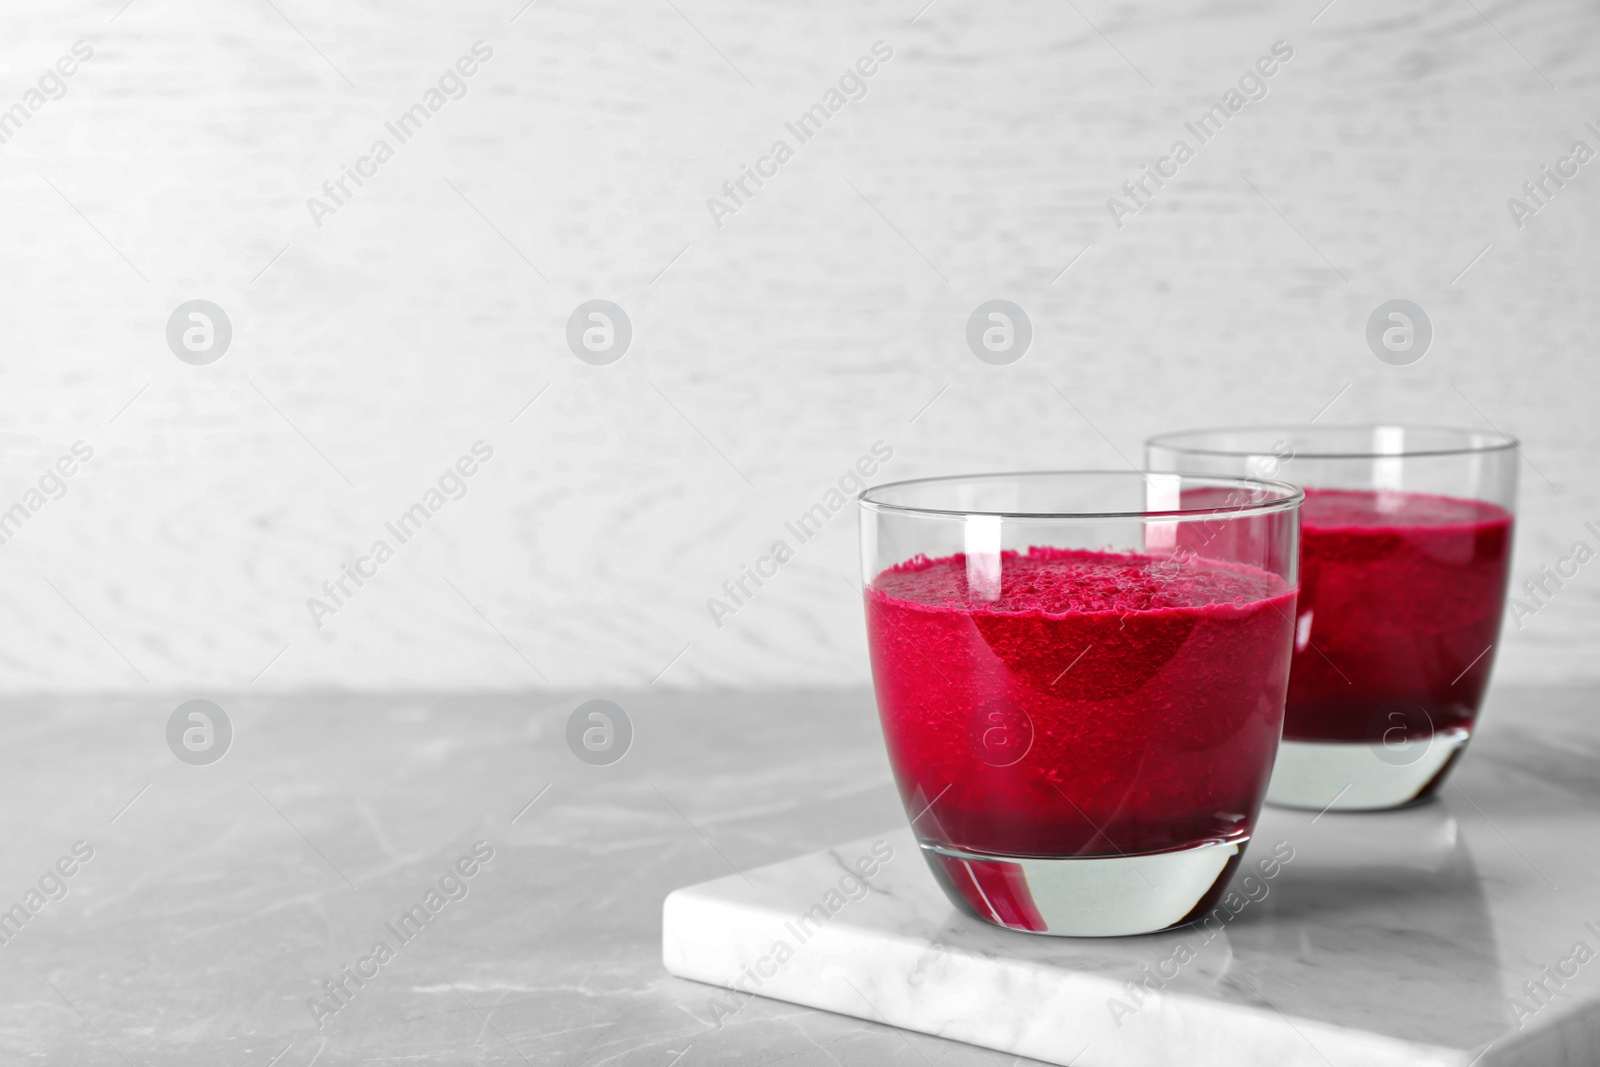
(1080, 678)
(1405, 554)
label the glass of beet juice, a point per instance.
(1081, 678)
(1405, 551)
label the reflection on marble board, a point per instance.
(1408, 879)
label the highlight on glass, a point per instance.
(1405, 556)
(1080, 678)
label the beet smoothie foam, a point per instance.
(1102, 704)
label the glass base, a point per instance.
(1086, 896)
(1361, 776)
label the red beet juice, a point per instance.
(1102, 704)
(1400, 602)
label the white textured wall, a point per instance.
(820, 318)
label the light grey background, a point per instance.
(768, 354)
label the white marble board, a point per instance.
(1401, 938)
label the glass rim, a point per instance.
(1290, 496)
(1169, 440)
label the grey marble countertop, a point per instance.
(219, 899)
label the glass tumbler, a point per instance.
(1080, 678)
(1405, 552)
